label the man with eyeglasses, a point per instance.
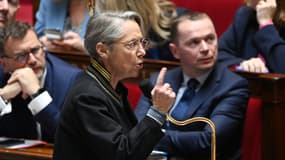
(33, 85)
(8, 10)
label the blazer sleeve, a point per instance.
(272, 47)
(232, 40)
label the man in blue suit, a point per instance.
(221, 95)
(33, 84)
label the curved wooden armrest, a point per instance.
(270, 87)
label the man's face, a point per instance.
(8, 10)
(196, 46)
(26, 52)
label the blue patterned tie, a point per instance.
(180, 109)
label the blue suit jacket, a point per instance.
(244, 40)
(20, 123)
(223, 99)
(52, 15)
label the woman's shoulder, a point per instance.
(245, 10)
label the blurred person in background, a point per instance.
(255, 41)
(69, 17)
(157, 16)
(8, 10)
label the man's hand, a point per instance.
(254, 65)
(162, 94)
(27, 79)
(10, 91)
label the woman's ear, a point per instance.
(102, 50)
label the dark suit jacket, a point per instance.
(223, 99)
(98, 123)
(244, 40)
(20, 123)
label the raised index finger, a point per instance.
(161, 75)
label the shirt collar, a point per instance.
(201, 79)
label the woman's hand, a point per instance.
(265, 10)
(162, 94)
(254, 65)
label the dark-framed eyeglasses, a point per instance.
(134, 44)
(22, 56)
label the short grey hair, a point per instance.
(106, 27)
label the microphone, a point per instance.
(146, 86)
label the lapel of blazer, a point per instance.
(206, 91)
(49, 84)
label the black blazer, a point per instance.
(97, 123)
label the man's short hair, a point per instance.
(15, 30)
(187, 15)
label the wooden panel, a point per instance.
(270, 88)
(43, 152)
(82, 60)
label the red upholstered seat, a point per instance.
(251, 143)
(221, 11)
(134, 93)
(25, 12)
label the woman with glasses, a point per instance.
(157, 16)
(97, 121)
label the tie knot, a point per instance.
(193, 83)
